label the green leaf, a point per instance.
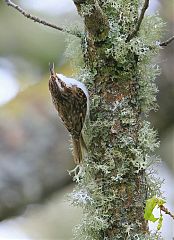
(160, 202)
(150, 205)
(160, 222)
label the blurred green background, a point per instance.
(34, 145)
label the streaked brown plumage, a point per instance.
(70, 100)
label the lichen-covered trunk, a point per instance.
(113, 185)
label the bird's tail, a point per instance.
(79, 148)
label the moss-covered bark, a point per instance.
(113, 184)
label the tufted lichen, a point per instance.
(115, 178)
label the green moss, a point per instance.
(112, 182)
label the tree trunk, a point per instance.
(113, 186)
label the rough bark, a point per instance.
(119, 144)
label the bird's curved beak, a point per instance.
(51, 68)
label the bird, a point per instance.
(71, 100)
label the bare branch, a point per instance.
(38, 20)
(134, 33)
(165, 43)
(166, 211)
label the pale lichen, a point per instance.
(120, 141)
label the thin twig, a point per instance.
(38, 20)
(167, 41)
(134, 33)
(166, 211)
